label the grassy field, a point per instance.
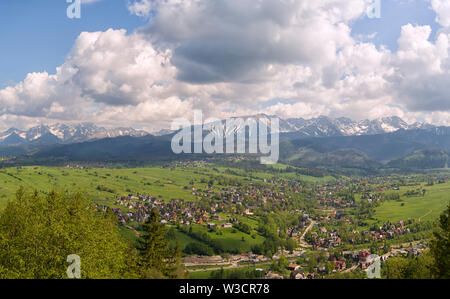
(162, 182)
(232, 239)
(286, 175)
(103, 185)
(425, 208)
(166, 183)
(182, 239)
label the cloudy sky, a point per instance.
(142, 63)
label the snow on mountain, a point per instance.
(62, 133)
(325, 127)
(316, 127)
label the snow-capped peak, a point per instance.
(65, 133)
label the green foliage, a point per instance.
(38, 233)
(156, 259)
(408, 268)
(280, 265)
(243, 227)
(422, 159)
(440, 247)
(432, 264)
(105, 189)
(199, 249)
(291, 245)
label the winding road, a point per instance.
(302, 238)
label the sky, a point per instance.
(143, 63)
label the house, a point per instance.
(363, 255)
(227, 225)
(340, 265)
(293, 267)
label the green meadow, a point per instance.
(107, 183)
(424, 208)
(233, 239)
(103, 185)
(285, 175)
(100, 183)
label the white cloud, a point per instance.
(141, 8)
(442, 9)
(422, 70)
(238, 41)
(235, 57)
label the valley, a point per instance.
(253, 214)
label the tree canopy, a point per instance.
(38, 233)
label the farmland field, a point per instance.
(106, 183)
(424, 208)
(99, 183)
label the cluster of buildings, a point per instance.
(389, 231)
(331, 240)
(242, 200)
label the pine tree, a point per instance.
(153, 247)
(440, 247)
(175, 264)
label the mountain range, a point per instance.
(325, 143)
(64, 133)
(298, 127)
(324, 126)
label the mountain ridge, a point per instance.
(321, 126)
(64, 133)
(324, 126)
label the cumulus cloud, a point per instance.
(442, 9)
(292, 58)
(104, 69)
(238, 41)
(422, 70)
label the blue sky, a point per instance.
(395, 14)
(293, 58)
(36, 35)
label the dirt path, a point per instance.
(420, 218)
(302, 238)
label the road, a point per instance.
(235, 265)
(232, 266)
(302, 238)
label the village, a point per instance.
(328, 226)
